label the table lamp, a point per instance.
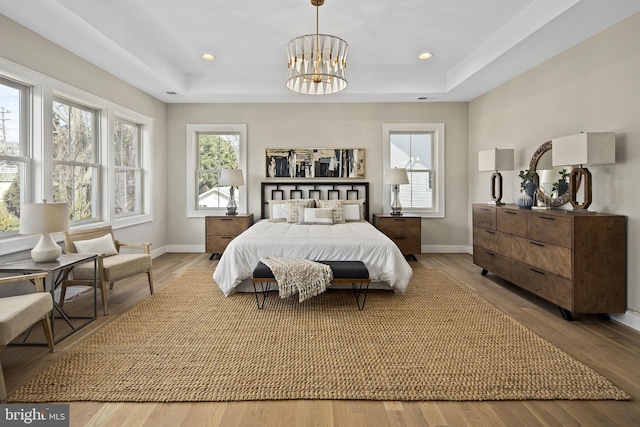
(396, 177)
(586, 148)
(44, 219)
(496, 160)
(232, 178)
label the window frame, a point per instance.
(438, 166)
(192, 208)
(24, 155)
(136, 168)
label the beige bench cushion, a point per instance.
(19, 312)
(115, 267)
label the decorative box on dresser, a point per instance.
(405, 230)
(221, 229)
(576, 261)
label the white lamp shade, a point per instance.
(43, 218)
(587, 148)
(231, 177)
(396, 176)
(496, 159)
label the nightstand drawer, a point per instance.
(404, 230)
(217, 244)
(230, 226)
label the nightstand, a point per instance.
(405, 230)
(221, 229)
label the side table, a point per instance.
(57, 272)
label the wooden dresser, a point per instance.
(576, 261)
(221, 229)
(405, 230)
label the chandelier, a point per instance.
(317, 62)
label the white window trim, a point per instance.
(44, 88)
(438, 158)
(193, 211)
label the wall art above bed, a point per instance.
(315, 163)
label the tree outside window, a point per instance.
(128, 169)
(216, 151)
(75, 167)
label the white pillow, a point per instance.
(101, 245)
(315, 215)
(353, 210)
(278, 210)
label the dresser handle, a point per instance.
(537, 244)
(225, 219)
(547, 218)
(398, 238)
(489, 231)
(489, 253)
(511, 213)
(537, 271)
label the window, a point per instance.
(128, 168)
(420, 149)
(14, 153)
(210, 149)
(75, 159)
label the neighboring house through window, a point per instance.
(419, 148)
(211, 148)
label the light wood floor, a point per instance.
(610, 348)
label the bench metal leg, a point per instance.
(264, 290)
(359, 289)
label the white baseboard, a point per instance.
(628, 318)
(186, 248)
(445, 249)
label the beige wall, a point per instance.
(23, 47)
(320, 126)
(593, 87)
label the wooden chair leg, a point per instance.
(46, 325)
(150, 276)
(3, 387)
(103, 289)
(63, 292)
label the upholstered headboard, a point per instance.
(289, 190)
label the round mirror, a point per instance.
(553, 182)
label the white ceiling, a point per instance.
(156, 45)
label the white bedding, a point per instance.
(353, 241)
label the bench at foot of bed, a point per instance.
(354, 272)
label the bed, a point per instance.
(282, 233)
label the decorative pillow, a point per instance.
(336, 205)
(353, 210)
(292, 208)
(278, 210)
(315, 215)
(101, 245)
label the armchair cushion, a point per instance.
(115, 267)
(101, 245)
(19, 312)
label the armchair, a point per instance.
(19, 312)
(112, 265)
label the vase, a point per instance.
(530, 187)
(524, 201)
(563, 187)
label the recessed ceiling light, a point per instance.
(208, 57)
(425, 55)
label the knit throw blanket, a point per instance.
(301, 276)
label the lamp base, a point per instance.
(46, 250)
(496, 203)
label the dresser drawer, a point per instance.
(542, 283)
(512, 221)
(492, 240)
(223, 226)
(492, 261)
(543, 256)
(550, 229)
(484, 216)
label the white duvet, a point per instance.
(353, 241)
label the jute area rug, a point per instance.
(439, 341)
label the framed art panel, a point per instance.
(315, 163)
